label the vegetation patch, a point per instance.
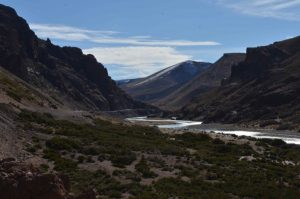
(214, 170)
(15, 90)
(144, 169)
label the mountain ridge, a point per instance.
(264, 88)
(209, 79)
(163, 82)
(76, 79)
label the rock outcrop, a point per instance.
(74, 79)
(20, 181)
(264, 87)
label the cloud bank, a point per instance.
(69, 33)
(136, 61)
(134, 56)
(279, 9)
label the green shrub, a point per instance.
(60, 143)
(61, 164)
(144, 169)
(218, 141)
(31, 149)
(122, 158)
(81, 159)
(40, 118)
(44, 167)
(90, 159)
(227, 176)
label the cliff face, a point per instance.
(64, 72)
(266, 86)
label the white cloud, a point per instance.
(280, 9)
(136, 61)
(68, 33)
(135, 56)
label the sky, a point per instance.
(135, 38)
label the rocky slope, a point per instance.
(75, 80)
(60, 81)
(18, 180)
(22, 181)
(159, 85)
(203, 82)
(265, 87)
(39, 76)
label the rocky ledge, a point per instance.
(22, 181)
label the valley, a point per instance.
(118, 160)
(182, 126)
(193, 130)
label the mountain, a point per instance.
(264, 88)
(64, 74)
(159, 85)
(55, 144)
(203, 82)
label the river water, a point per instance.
(289, 137)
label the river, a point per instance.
(289, 137)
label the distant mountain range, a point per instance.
(175, 86)
(210, 78)
(155, 87)
(260, 87)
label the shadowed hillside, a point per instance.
(75, 79)
(203, 82)
(265, 87)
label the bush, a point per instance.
(91, 151)
(31, 149)
(44, 167)
(122, 158)
(144, 169)
(59, 143)
(274, 142)
(61, 164)
(268, 123)
(81, 159)
(40, 118)
(90, 159)
(285, 127)
(218, 141)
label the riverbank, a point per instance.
(182, 126)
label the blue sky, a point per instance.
(134, 38)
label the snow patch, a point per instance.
(159, 74)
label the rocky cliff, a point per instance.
(65, 73)
(265, 87)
